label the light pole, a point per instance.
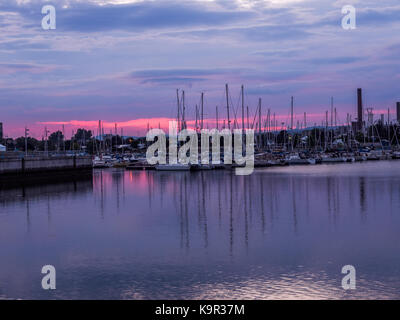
(26, 140)
(46, 145)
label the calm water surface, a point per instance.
(280, 233)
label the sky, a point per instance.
(121, 61)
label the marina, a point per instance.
(264, 160)
(274, 144)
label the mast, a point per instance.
(26, 140)
(326, 128)
(275, 127)
(259, 121)
(331, 131)
(269, 125)
(196, 115)
(63, 133)
(46, 146)
(291, 114)
(216, 113)
(183, 110)
(388, 125)
(116, 137)
(101, 138)
(247, 109)
(227, 105)
(122, 139)
(178, 105)
(242, 109)
(335, 117)
(202, 109)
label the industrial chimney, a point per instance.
(398, 112)
(359, 109)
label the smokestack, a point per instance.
(359, 108)
(398, 112)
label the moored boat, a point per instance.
(173, 167)
(295, 160)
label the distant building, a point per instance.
(1, 131)
(398, 112)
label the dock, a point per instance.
(18, 168)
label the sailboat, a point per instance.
(296, 159)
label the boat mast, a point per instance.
(183, 110)
(178, 105)
(196, 116)
(291, 114)
(216, 113)
(242, 110)
(269, 125)
(247, 109)
(227, 105)
(259, 121)
(388, 125)
(275, 125)
(326, 129)
(202, 110)
(331, 131)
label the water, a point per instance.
(280, 233)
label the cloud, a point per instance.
(260, 33)
(378, 17)
(23, 45)
(171, 80)
(177, 72)
(334, 60)
(137, 17)
(9, 68)
(180, 76)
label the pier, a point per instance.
(17, 168)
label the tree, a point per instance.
(55, 140)
(82, 135)
(32, 143)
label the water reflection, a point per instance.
(280, 233)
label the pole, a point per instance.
(178, 105)
(388, 125)
(183, 110)
(291, 114)
(326, 128)
(216, 113)
(227, 105)
(248, 124)
(26, 140)
(259, 121)
(63, 133)
(242, 110)
(202, 110)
